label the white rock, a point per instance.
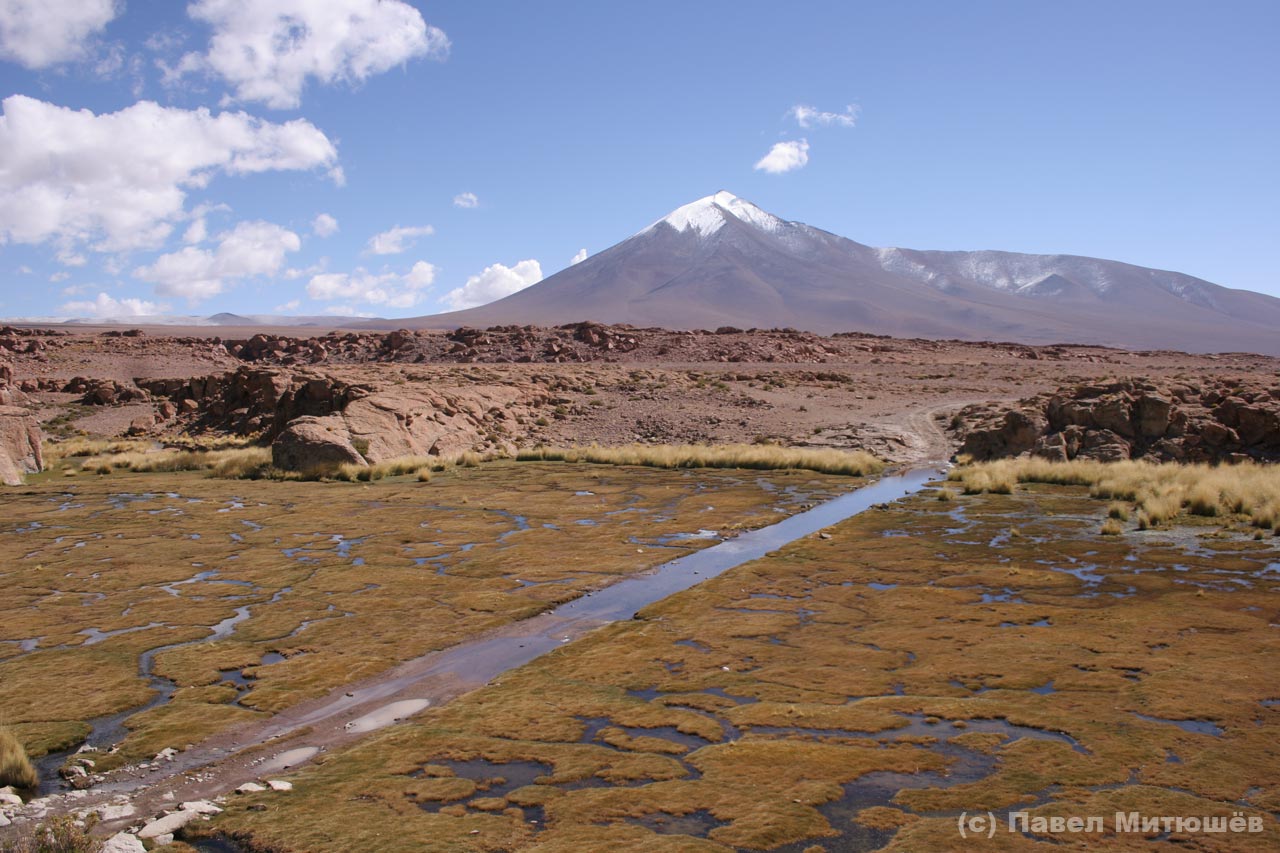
(201, 807)
(167, 754)
(279, 785)
(123, 842)
(167, 825)
(9, 799)
(164, 840)
(4, 820)
(119, 811)
(250, 788)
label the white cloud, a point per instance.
(267, 50)
(249, 249)
(289, 307)
(120, 179)
(397, 239)
(807, 116)
(422, 275)
(390, 289)
(107, 306)
(25, 270)
(467, 200)
(40, 33)
(197, 232)
(494, 283)
(347, 311)
(59, 276)
(785, 157)
(77, 289)
(324, 225)
(578, 258)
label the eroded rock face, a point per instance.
(412, 421)
(1225, 421)
(314, 444)
(20, 439)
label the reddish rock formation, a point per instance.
(20, 439)
(1226, 421)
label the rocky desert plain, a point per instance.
(596, 587)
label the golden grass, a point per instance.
(1112, 527)
(230, 463)
(420, 466)
(1157, 493)
(755, 456)
(15, 766)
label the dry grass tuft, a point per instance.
(1112, 527)
(231, 463)
(1158, 493)
(15, 766)
(755, 456)
(64, 834)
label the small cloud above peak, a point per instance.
(807, 116)
(785, 157)
(466, 200)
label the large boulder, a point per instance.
(314, 444)
(1153, 414)
(20, 439)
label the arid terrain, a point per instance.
(584, 587)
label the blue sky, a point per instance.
(152, 161)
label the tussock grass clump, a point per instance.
(15, 767)
(420, 466)
(80, 447)
(1112, 527)
(1158, 492)
(759, 457)
(231, 463)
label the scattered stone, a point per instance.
(123, 842)
(200, 807)
(167, 825)
(250, 788)
(166, 754)
(118, 811)
(279, 785)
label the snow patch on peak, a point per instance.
(708, 215)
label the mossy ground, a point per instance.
(987, 652)
(341, 580)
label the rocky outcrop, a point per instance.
(251, 401)
(314, 444)
(20, 439)
(409, 421)
(105, 392)
(1221, 421)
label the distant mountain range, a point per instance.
(722, 261)
(223, 319)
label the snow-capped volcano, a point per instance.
(723, 261)
(708, 215)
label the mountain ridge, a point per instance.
(721, 260)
